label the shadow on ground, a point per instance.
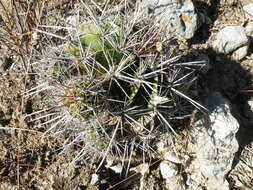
(229, 78)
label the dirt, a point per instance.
(30, 160)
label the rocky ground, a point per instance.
(29, 160)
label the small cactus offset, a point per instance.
(119, 90)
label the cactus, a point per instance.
(116, 95)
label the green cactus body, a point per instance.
(136, 86)
(94, 41)
(105, 54)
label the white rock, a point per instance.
(72, 20)
(248, 8)
(177, 17)
(168, 169)
(240, 53)
(160, 146)
(172, 157)
(229, 39)
(94, 179)
(249, 29)
(223, 124)
(214, 141)
(117, 168)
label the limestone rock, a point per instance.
(168, 169)
(172, 157)
(177, 17)
(117, 168)
(229, 39)
(249, 31)
(248, 8)
(214, 144)
(240, 53)
(94, 179)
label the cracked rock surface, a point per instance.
(230, 39)
(214, 143)
(178, 17)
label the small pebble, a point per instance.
(168, 169)
(94, 179)
(117, 168)
(172, 157)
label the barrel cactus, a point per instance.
(118, 91)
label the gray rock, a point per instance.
(229, 39)
(177, 17)
(248, 8)
(214, 143)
